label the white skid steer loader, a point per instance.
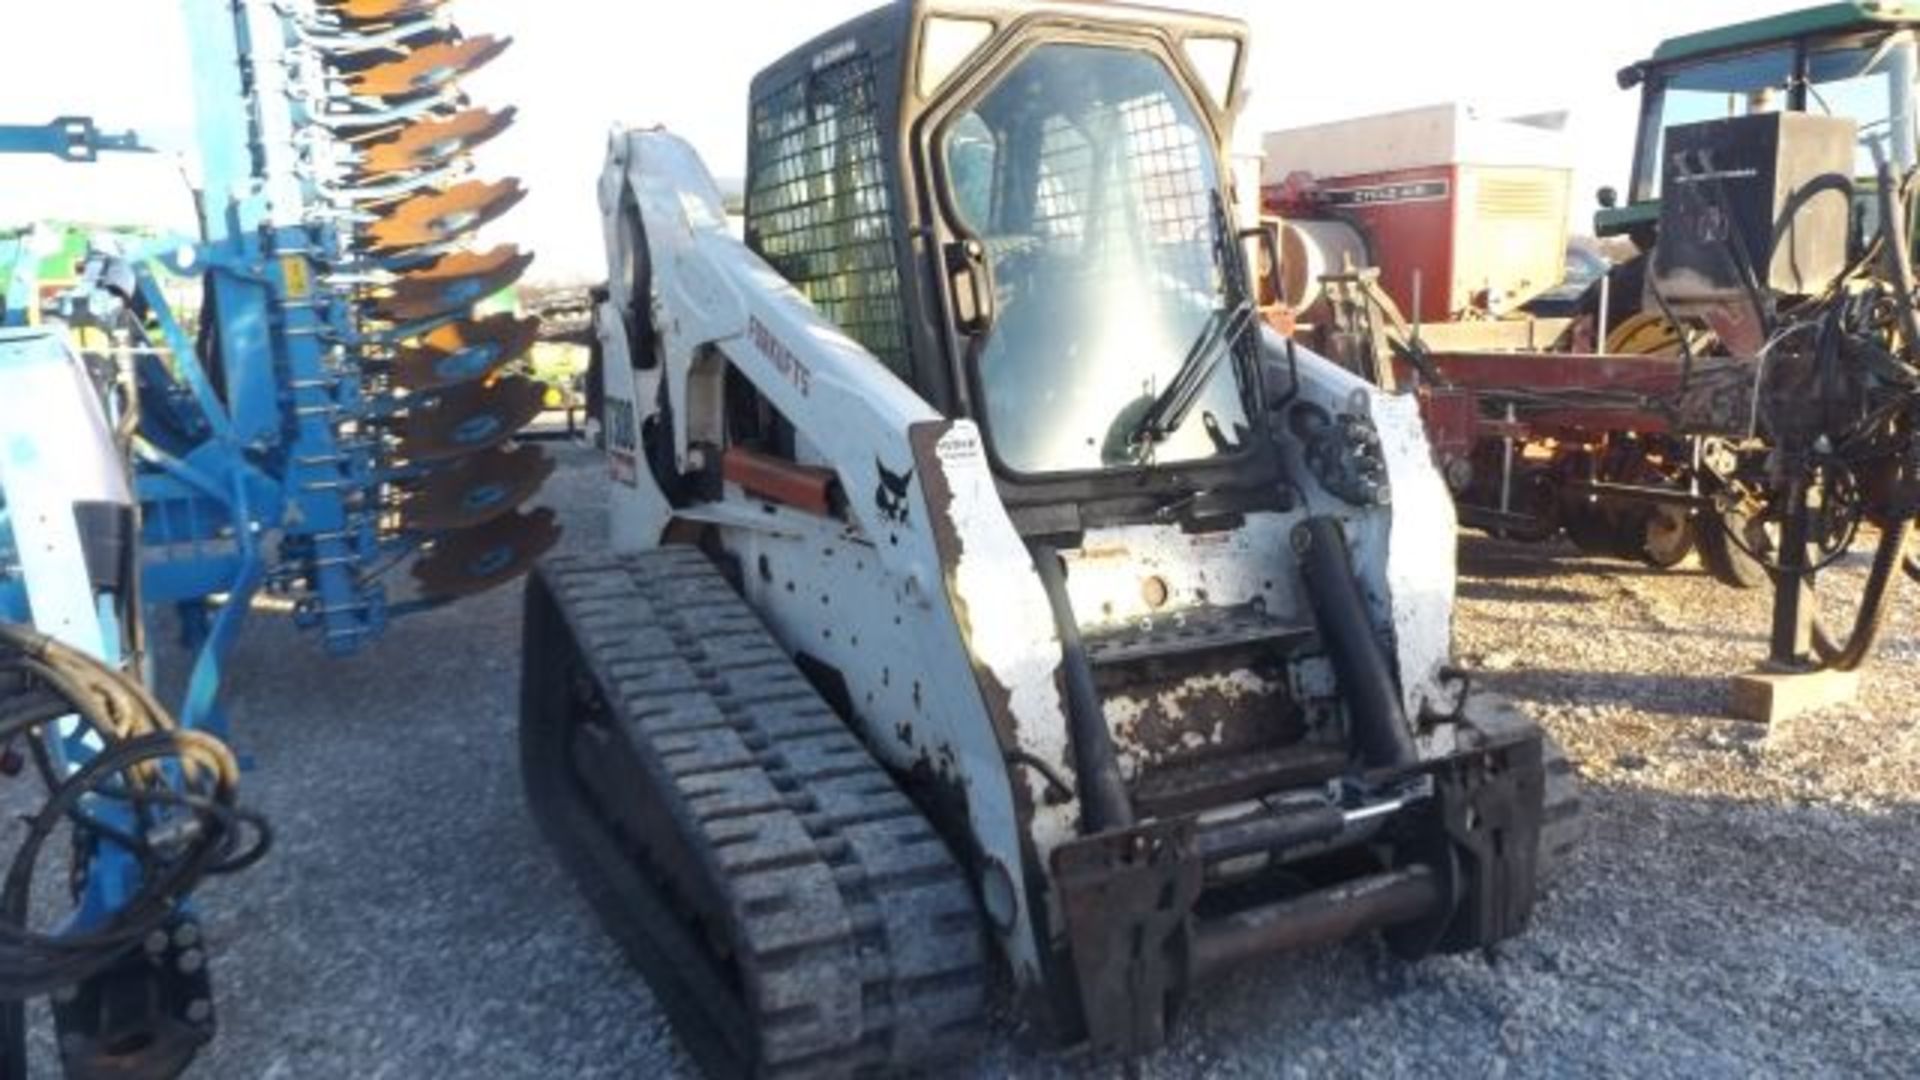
(988, 587)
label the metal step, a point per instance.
(1185, 789)
(1198, 631)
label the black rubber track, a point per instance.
(802, 919)
(1563, 821)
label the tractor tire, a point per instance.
(793, 911)
(1728, 561)
(1668, 537)
(1592, 531)
(1644, 334)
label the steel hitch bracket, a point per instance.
(1483, 837)
(1128, 895)
(1461, 877)
(147, 1015)
(1138, 945)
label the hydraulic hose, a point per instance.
(1893, 228)
(182, 781)
(1104, 803)
(1891, 556)
(1875, 602)
(1381, 736)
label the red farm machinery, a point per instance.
(1740, 385)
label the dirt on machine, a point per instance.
(993, 599)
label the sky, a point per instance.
(579, 67)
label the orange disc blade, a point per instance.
(457, 281)
(469, 418)
(475, 490)
(463, 352)
(475, 560)
(426, 69)
(382, 11)
(437, 217)
(432, 143)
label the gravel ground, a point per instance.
(1746, 905)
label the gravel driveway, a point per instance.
(1747, 904)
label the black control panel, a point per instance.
(1754, 203)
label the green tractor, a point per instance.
(40, 260)
(1856, 59)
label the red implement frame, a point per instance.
(1454, 419)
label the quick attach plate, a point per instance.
(1127, 895)
(1487, 836)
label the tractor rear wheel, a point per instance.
(1667, 537)
(1732, 544)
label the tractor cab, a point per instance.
(1024, 212)
(1855, 59)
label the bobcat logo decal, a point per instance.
(890, 497)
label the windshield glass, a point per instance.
(1873, 83)
(1092, 183)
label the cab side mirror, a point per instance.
(1609, 198)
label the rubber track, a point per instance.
(1563, 822)
(853, 926)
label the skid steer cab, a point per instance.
(988, 588)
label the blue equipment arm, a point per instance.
(71, 138)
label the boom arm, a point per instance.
(955, 599)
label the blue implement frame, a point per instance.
(256, 460)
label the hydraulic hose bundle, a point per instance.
(1849, 417)
(117, 769)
